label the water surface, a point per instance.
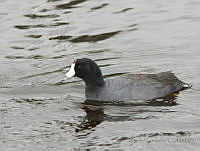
(39, 39)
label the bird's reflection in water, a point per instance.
(94, 116)
(122, 111)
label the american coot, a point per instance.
(125, 87)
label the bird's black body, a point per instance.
(126, 87)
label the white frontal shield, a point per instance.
(71, 72)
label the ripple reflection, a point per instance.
(130, 111)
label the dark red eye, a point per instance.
(79, 67)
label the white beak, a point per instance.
(71, 72)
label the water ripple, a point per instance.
(43, 73)
(23, 57)
(33, 36)
(63, 37)
(99, 7)
(33, 100)
(108, 58)
(127, 112)
(35, 16)
(59, 24)
(53, 0)
(61, 30)
(94, 38)
(30, 26)
(44, 10)
(24, 27)
(86, 38)
(124, 10)
(70, 5)
(17, 47)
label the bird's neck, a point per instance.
(93, 81)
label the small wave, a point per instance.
(53, 0)
(35, 101)
(28, 57)
(85, 38)
(63, 37)
(33, 36)
(59, 83)
(70, 4)
(58, 57)
(124, 10)
(99, 7)
(94, 38)
(5, 87)
(35, 16)
(33, 48)
(59, 24)
(30, 26)
(44, 10)
(103, 59)
(43, 73)
(24, 27)
(98, 51)
(17, 47)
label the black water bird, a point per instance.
(125, 87)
